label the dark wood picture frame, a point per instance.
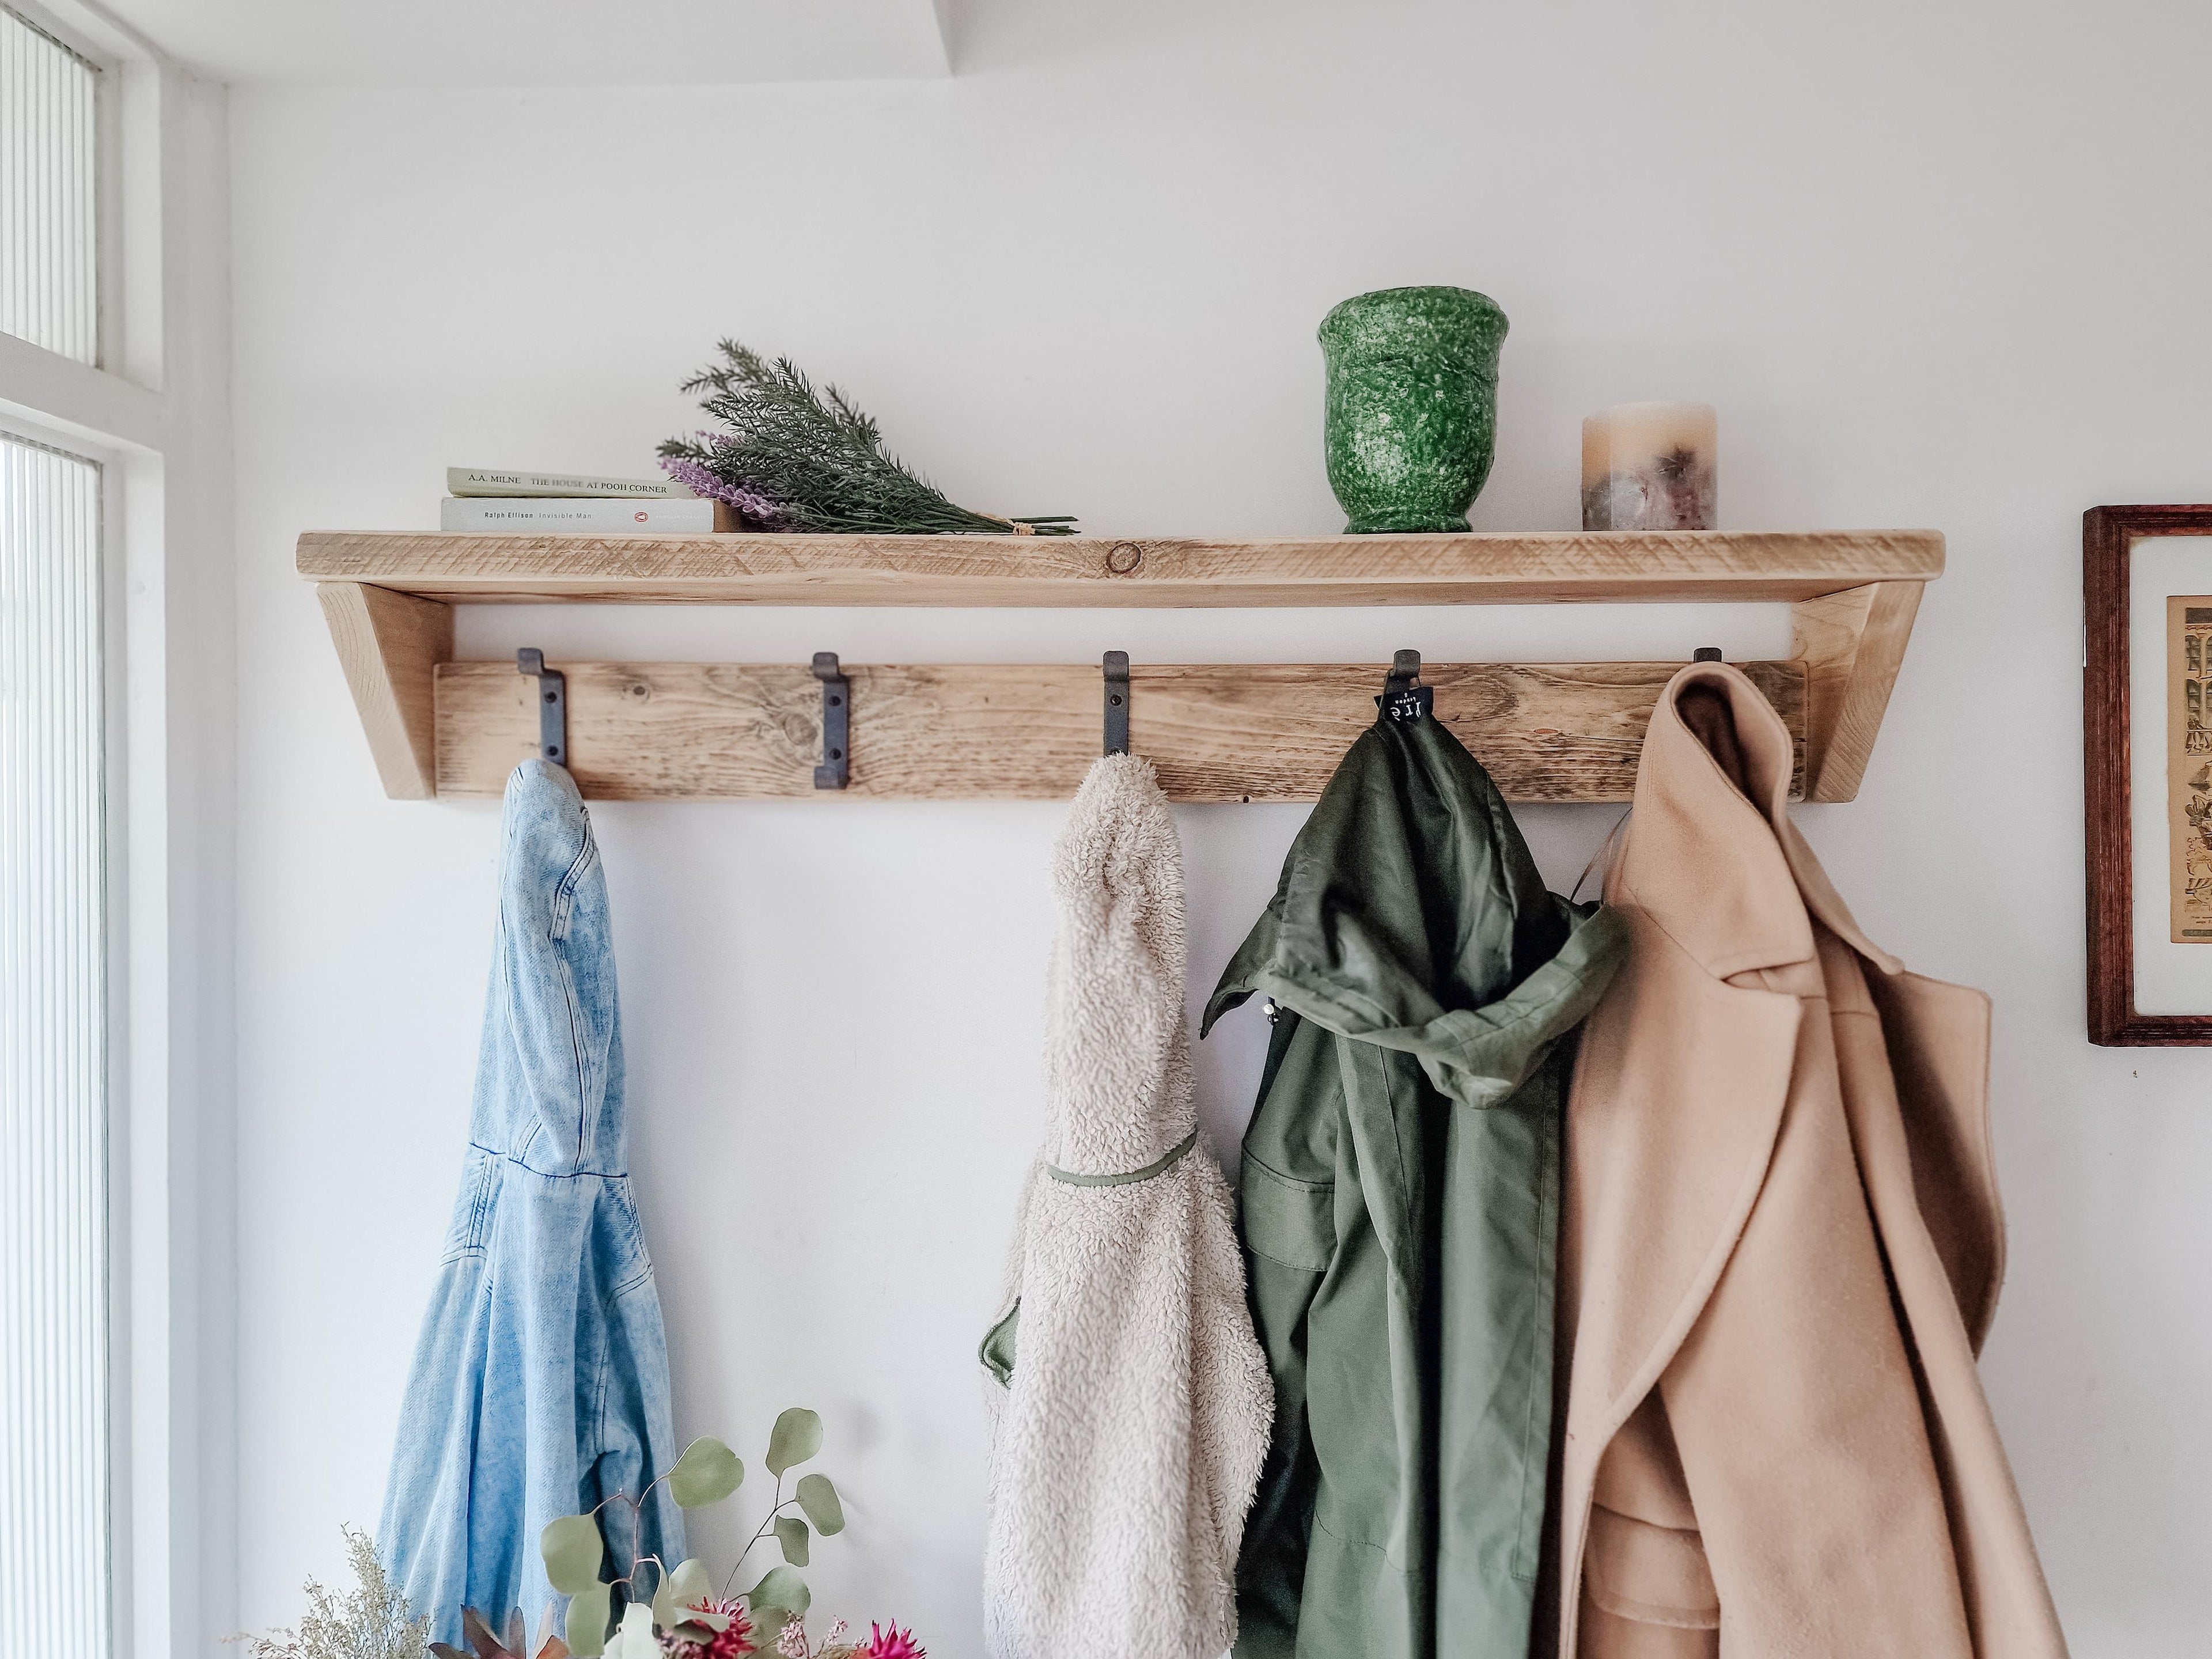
(2108, 538)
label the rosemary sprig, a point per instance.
(795, 459)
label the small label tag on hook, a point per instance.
(1413, 703)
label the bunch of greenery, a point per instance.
(684, 1603)
(373, 1622)
(794, 458)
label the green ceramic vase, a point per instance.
(1413, 405)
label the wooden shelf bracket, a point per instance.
(390, 645)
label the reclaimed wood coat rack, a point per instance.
(1548, 731)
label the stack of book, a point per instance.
(483, 499)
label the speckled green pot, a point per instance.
(1413, 405)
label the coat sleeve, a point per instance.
(1287, 1194)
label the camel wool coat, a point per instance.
(1781, 1251)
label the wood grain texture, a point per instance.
(1136, 571)
(388, 643)
(1852, 644)
(1274, 732)
(2108, 538)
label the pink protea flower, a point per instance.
(893, 1644)
(733, 1641)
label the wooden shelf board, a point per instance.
(1134, 571)
(1561, 731)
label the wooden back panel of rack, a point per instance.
(1548, 731)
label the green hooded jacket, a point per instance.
(1400, 1209)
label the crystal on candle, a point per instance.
(1650, 466)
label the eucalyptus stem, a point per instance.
(628, 1580)
(767, 1523)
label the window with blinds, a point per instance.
(53, 1096)
(49, 219)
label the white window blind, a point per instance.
(53, 1119)
(49, 224)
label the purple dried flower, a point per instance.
(701, 480)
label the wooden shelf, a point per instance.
(1140, 571)
(665, 731)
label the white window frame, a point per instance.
(155, 413)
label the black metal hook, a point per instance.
(1116, 670)
(1707, 653)
(552, 703)
(836, 769)
(1404, 697)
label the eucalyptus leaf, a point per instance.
(791, 1533)
(819, 1499)
(588, 1613)
(782, 1589)
(707, 1473)
(796, 1437)
(573, 1551)
(767, 1626)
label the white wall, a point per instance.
(1936, 267)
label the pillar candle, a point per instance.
(1650, 466)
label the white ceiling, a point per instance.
(544, 43)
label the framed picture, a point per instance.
(2146, 732)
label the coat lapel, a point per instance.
(1665, 1165)
(1663, 1169)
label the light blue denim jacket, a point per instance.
(540, 1384)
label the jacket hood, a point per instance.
(1117, 1049)
(1411, 915)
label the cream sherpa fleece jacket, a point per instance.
(1128, 1439)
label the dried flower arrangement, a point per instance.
(794, 458)
(373, 1622)
(686, 1619)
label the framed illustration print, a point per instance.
(2147, 731)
